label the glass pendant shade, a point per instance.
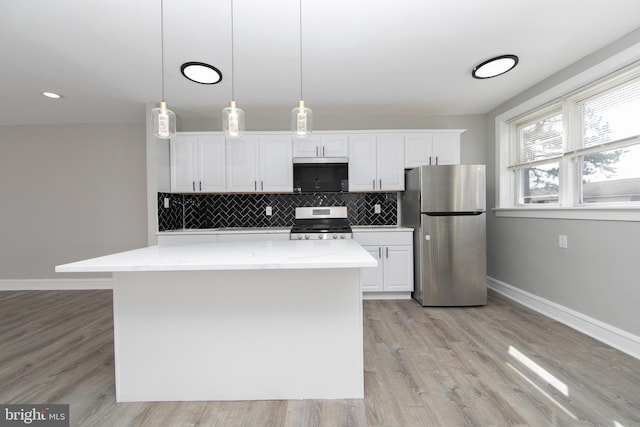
(232, 120)
(301, 120)
(164, 122)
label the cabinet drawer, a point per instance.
(389, 237)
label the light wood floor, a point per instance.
(423, 367)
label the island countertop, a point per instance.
(247, 255)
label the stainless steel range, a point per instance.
(318, 223)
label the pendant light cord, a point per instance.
(301, 97)
(162, 44)
(233, 96)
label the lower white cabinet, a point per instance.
(393, 278)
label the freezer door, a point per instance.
(451, 265)
(452, 188)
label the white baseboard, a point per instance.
(385, 295)
(611, 335)
(55, 284)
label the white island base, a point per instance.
(238, 335)
(237, 321)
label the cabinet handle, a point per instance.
(387, 251)
(379, 252)
(200, 185)
(322, 151)
(374, 183)
(261, 185)
(194, 185)
(316, 151)
(255, 185)
(429, 159)
(436, 160)
(380, 185)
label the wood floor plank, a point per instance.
(424, 366)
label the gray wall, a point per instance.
(69, 192)
(598, 275)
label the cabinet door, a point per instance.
(242, 164)
(306, 147)
(334, 146)
(417, 150)
(212, 161)
(446, 149)
(362, 163)
(371, 278)
(398, 268)
(276, 164)
(184, 164)
(390, 163)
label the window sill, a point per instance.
(584, 213)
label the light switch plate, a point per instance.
(166, 203)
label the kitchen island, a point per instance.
(257, 320)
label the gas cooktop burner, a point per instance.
(321, 223)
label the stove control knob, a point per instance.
(342, 236)
(335, 236)
(306, 236)
(299, 236)
(321, 236)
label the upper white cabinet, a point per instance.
(197, 163)
(376, 162)
(321, 146)
(259, 164)
(432, 149)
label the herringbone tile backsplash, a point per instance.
(248, 210)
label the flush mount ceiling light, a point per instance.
(202, 73)
(494, 67)
(52, 95)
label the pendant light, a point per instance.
(301, 116)
(232, 116)
(164, 120)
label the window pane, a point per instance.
(611, 176)
(612, 115)
(541, 139)
(539, 184)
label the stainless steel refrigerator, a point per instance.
(446, 206)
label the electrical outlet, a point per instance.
(562, 241)
(268, 210)
(376, 208)
(166, 203)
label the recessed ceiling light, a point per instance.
(52, 95)
(200, 72)
(494, 67)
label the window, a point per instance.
(581, 150)
(536, 160)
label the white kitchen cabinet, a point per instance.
(393, 278)
(259, 164)
(321, 146)
(376, 163)
(432, 149)
(197, 163)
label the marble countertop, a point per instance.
(276, 254)
(268, 230)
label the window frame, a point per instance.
(565, 95)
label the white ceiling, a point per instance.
(361, 57)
